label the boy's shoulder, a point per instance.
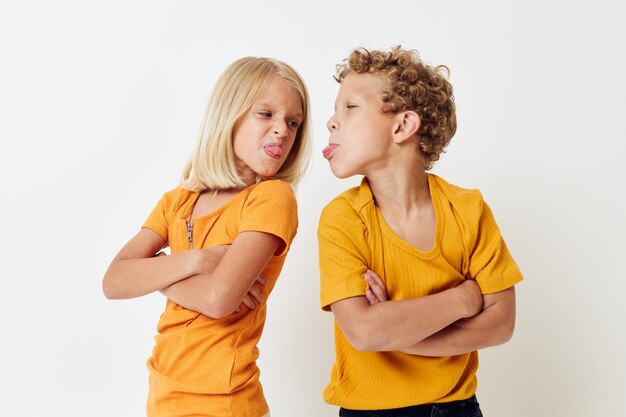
(457, 195)
(350, 201)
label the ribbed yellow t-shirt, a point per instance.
(205, 366)
(353, 236)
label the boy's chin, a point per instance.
(342, 175)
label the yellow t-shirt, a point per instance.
(354, 236)
(200, 365)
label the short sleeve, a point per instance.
(157, 220)
(343, 253)
(271, 208)
(491, 264)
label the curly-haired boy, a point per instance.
(413, 268)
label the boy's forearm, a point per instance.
(462, 337)
(403, 322)
(492, 327)
(397, 325)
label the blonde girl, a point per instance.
(229, 226)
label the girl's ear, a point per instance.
(407, 124)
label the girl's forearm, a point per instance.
(129, 278)
(191, 293)
(220, 289)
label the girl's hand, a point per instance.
(376, 293)
(254, 294)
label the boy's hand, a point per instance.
(254, 294)
(472, 297)
(376, 293)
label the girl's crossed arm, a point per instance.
(219, 293)
(136, 271)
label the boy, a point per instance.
(414, 269)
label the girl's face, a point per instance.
(360, 133)
(263, 137)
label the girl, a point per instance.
(229, 225)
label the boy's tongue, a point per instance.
(328, 150)
(274, 150)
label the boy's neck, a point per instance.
(401, 192)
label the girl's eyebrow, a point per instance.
(264, 104)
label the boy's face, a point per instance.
(360, 133)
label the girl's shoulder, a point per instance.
(274, 189)
(177, 198)
(270, 195)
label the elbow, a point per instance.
(363, 339)
(507, 331)
(504, 332)
(363, 345)
(217, 307)
(112, 284)
(108, 294)
(216, 312)
(110, 290)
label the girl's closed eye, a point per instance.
(351, 106)
(265, 113)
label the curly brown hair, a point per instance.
(411, 85)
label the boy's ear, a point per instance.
(407, 124)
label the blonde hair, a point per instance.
(212, 165)
(410, 84)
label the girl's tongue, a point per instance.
(273, 150)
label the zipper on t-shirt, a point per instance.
(190, 233)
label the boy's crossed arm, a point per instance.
(398, 325)
(492, 326)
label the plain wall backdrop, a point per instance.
(100, 103)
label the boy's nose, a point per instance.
(332, 124)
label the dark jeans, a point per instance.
(463, 408)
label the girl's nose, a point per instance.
(280, 129)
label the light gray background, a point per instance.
(100, 103)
